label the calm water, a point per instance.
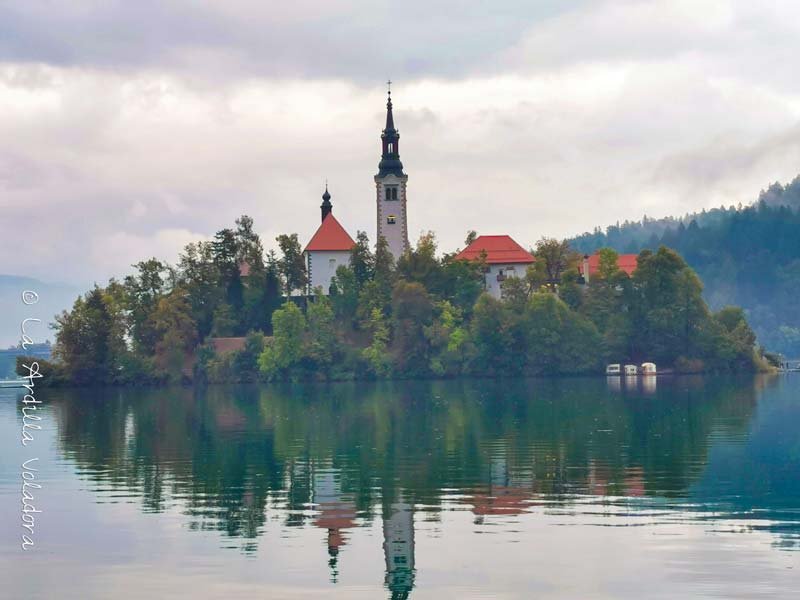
(538, 489)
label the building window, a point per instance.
(391, 220)
(331, 262)
(391, 192)
(391, 147)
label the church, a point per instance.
(330, 246)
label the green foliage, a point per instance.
(52, 372)
(461, 282)
(285, 350)
(420, 264)
(344, 294)
(668, 311)
(495, 335)
(559, 340)
(556, 257)
(90, 340)
(746, 256)
(377, 353)
(224, 324)
(448, 339)
(412, 312)
(177, 334)
(426, 316)
(322, 342)
(291, 265)
(142, 291)
(245, 362)
(362, 262)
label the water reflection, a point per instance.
(341, 457)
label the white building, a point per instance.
(503, 256)
(390, 185)
(328, 249)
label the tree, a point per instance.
(493, 331)
(224, 321)
(344, 294)
(322, 333)
(412, 311)
(449, 340)
(249, 249)
(376, 354)
(377, 293)
(226, 254)
(177, 334)
(472, 235)
(608, 267)
(362, 262)
(668, 310)
(556, 257)
(199, 277)
(90, 340)
(291, 265)
(559, 340)
(383, 263)
(420, 265)
(285, 349)
(245, 362)
(142, 291)
(461, 282)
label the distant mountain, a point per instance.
(745, 255)
(53, 298)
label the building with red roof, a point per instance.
(591, 264)
(503, 257)
(328, 248)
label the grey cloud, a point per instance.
(358, 39)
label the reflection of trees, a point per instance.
(226, 455)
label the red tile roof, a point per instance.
(626, 262)
(330, 236)
(500, 249)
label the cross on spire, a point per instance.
(389, 85)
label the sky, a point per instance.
(129, 129)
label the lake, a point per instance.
(573, 488)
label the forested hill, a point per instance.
(746, 256)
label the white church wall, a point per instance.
(493, 285)
(322, 265)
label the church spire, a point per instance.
(390, 142)
(326, 205)
(389, 116)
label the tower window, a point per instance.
(391, 192)
(391, 147)
(391, 220)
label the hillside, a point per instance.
(747, 256)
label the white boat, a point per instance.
(13, 383)
(631, 370)
(648, 368)
(614, 369)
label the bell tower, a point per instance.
(390, 184)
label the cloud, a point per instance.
(142, 125)
(357, 39)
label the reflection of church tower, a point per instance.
(390, 183)
(398, 548)
(335, 514)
